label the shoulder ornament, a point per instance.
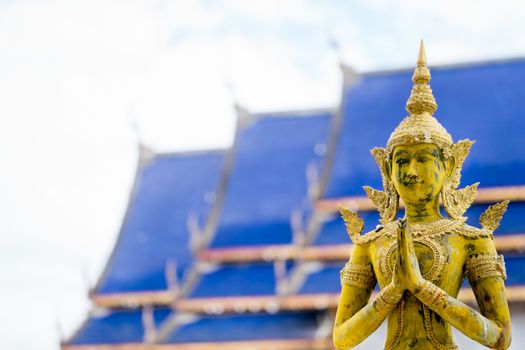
(489, 221)
(355, 225)
(492, 216)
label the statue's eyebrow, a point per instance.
(428, 151)
(401, 152)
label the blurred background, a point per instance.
(82, 83)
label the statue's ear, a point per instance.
(449, 165)
(388, 168)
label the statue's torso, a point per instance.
(442, 253)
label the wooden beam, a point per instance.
(248, 254)
(271, 303)
(133, 299)
(273, 252)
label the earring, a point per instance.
(386, 201)
(456, 202)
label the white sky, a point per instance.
(74, 73)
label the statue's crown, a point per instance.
(420, 126)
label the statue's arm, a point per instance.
(356, 319)
(491, 326)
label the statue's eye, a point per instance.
(401, 161)
(422, 159)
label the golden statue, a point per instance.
(420, 261)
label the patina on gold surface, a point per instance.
(421, 261)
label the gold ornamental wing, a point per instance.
(458, 201)
(354, 224)
(460, 151)
(492, 216)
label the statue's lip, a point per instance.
(413, 182)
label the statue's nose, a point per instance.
(411, 172)
(411, 176)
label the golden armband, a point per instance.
(483, 266)
(430, 295)
(358, 276)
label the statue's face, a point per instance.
(418, 172)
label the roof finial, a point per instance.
(421, 99)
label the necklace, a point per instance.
(438, 227)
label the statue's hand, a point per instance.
(407, 264)
(398, 280)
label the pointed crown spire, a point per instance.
(421, 99)
(420, 126)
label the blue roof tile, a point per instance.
(120, 326)
(268, 179)
(238, 280)
(285, 325)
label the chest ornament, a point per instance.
(431, 254)
(428, 243)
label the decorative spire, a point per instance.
(421, 99)
(420, 126)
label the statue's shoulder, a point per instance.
(489, 221)
(383, 231)
(355, 225)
